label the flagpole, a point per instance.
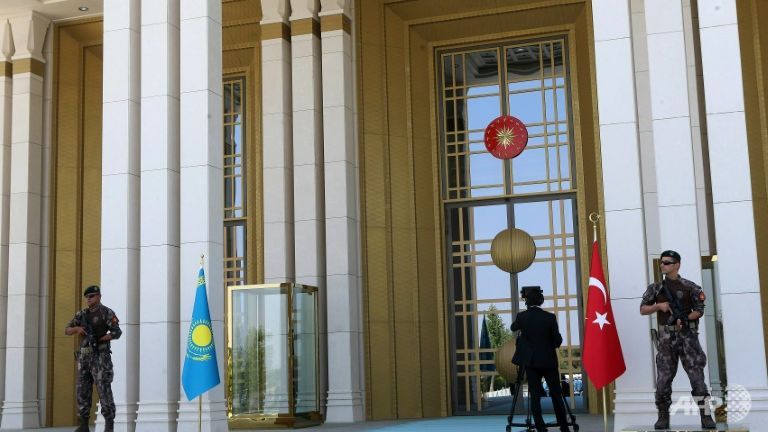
(200, 398)
(594, 217)
(605, 412)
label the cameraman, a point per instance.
(539, 337)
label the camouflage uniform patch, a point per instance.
(678, 346)
(683, 346)
(95, 367)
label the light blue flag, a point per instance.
(201, 372)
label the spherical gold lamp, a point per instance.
(503, 361)
(513, 250)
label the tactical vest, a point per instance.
(98, 320)
(678, 289)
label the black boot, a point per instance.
(109, 425)
(706, 419)
(706, 414)
(83, 426)
(663, 421)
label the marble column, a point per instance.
(673, 149)
(308, 177)
(120, 203)
(21, 408)
(624, 221)
(159, 220)
(733, 206)
(202, 194)
(344, 317)
(277, 121)
(6, 66)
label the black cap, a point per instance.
(671, 254)
(93, 289)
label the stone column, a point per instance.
(733, 207)
(277, 124)
(308, 179)
(673, 150)
(202, 194)
(121, 199)
(6, 67)
(159, 221)
(21, 407)
(344, 317)
(624, 222)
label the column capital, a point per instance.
(334, 7)
(6, 44)
(275, 11)
(303, 9)
(28, 31)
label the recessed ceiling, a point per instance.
(53, 9)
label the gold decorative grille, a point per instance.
(529, 84)
(483, 195)
(234, 182)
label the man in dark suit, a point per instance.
(539, 337)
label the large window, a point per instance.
(483, 195)
(235, 208)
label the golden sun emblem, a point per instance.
(505, 137)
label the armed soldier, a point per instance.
(98, 325)
(678, 304)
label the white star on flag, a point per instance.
(601, 319)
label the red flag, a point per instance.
(602, 356)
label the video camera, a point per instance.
(526, 290)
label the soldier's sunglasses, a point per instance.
(667, 262)
(91, 295)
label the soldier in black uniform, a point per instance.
(679, 339)
(97, 325)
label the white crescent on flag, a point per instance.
(595, 282)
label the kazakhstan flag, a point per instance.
(201, 372)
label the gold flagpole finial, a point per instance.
(594, 217)
(202, 259)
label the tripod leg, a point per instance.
(515, 397)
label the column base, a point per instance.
(20, 415)
(214, 417)
(344, 407)
(125, 418)
(156, 416)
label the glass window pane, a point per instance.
(527, 106)
(482, 110)
(482, 68)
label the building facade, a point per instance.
(339, 144)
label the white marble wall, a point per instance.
(202, 186)
(159, 378)
(277, 124)
(344, 322)
(734, 222)
(624, 221)
(6, 49)
(121, 199)
(21, 405)
(308, 170)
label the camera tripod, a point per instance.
(529, 425)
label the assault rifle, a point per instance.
(678, 313)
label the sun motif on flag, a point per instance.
(200, 340)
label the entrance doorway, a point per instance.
(482, 195)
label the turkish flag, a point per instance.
(602, 356)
